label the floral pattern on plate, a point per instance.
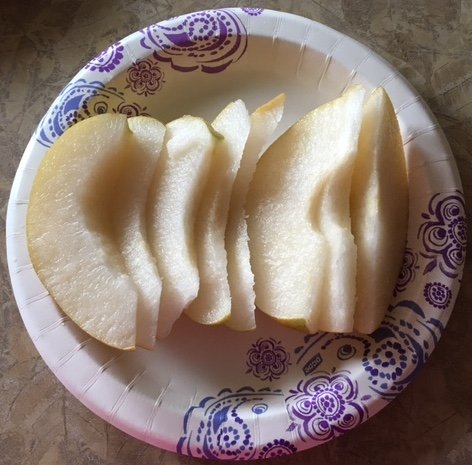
(408, 273)
(208, 40)
(326, 405)
(444, 234)
(107, 60)
(79, 100)
(218, 427)
(267, 359)
(253, 11)
(144, 77)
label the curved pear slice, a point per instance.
(298, 209)
(379, 205)
(144, 147)
(69, 229)
(213, 303)
(264, 121)
(174, 200)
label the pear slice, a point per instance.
(129, 215)
(264, 121)
(379, 206)
(213, 303)
(302, 252)
(70, 229)
(175, 196)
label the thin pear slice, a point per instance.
(176, 193)
(69, 229)
(379, 206)
(144, 147)
(264, 121)
(213, 303)
(302, 251)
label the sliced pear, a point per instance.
(302, 252)
(70, 229)
(175, 196)
(213, 303)
(264, 121)
(379, 206)
(129, 216)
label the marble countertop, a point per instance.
(45, 42)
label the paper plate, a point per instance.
(209, 391)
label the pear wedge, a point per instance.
(213, 303)
(264, 121)
(70, 229)
(129, 216)
(174, 200)
(302, 251)
(379, 207)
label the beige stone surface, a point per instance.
(43, 43)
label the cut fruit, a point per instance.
(70, 233)
(379, 206)
(129, 216)
(264, 122)
(213, 303)
(302, 251)
(131, 223)
(174, 199)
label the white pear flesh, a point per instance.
(213, 303)
(129, 216)
(264, 121)
(302, 251)
(175, 197)
(379, 206)
(69, 230)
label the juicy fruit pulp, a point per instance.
(328, 214)
(302, 252)
(173, 202)
(70, 233)
(213, 303)
(129, 218)
(379, 206)
(131, 223)
(264, 122)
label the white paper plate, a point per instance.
(212, 392)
